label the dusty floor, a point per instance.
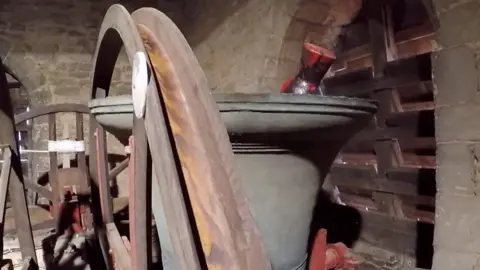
(374, 258)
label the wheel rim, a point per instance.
(229, 238)
(224, 222)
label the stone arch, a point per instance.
(24, 70)
(30, 93)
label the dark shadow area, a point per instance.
(424, 249)
(207, 14)
(62, 250)
(343, 223)
(406, 14)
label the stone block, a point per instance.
(271, 85)
(312, 11)
(457, 123)
(445, 259)
(459, 24)
(457, 222)
(291, 50)
(297, 30)
(455, 76)
(285, 69)
(456, 173)
(5, 47)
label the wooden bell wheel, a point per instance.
(59, 178)
(65, 214)
(69, 186)
(176, 122)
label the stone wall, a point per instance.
(457, 99)
(49, 45)
(243, 46)
(257, 45)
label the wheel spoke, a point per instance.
(119, 30)
(118, 169)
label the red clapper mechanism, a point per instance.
(331, 256)
(314, 64)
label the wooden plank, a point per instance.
(87, 217)
(412, 118)
(404, 181)
(405, 136)
(139, 201)
(16, 188)
(419, 106)
(408, 142)
(382, 40)
(120, 252)
(367, 159)
(4, 181)
(122, 32)
(432, 15)
(409, 43)
(401, 73)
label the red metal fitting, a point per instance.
(314, 64)
(75, 225)
(327, 257)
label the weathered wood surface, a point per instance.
(118, 29)
(16, 187)
(230, 239)
(410, 42)
(4, 181)
(390, 166)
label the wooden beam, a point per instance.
(402, 181)
(401, 73)
(4, 181)
(16, 189)
(410, 42)
(432, 15)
